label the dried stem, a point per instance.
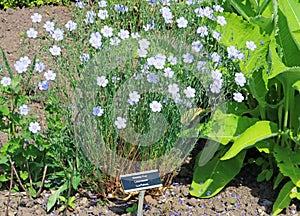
(10, 187)
(16, 174)
(43, 181)
(29, 174)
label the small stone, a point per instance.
(193, 202)
(185, 191)
(150, 200)
(84, 202)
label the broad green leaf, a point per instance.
(278, 180)
(296, 86)
(236, 33)
(259, 131)
(289, 77)
(23, 175)
(223, 127)
(266, 24)
(258, 87)
(242, 9)
(289, 51)
(53, 198)
(2, 100)
(290, 9)
(288, 162)
(4, 110)
(32, 191)
(283, 199)
(211, 178)
(265, 146)
(76, 180)
(208, 152)
(275, 63)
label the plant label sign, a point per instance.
(140, 181)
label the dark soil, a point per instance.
(243, 196)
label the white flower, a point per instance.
(70, 25)
(39, 66)
(208, 12)
(102, 3)
(24, 109)
(216, 74)
(107, 31)
(6, 81)
(189, 92)
(188, 58)
(89, 17)
(202, 66)
(102, 81)
(103, 14)
(142, 53)
(55, 50)
(168, 73)
(123, 34)
(182, 22)
(173, 89)
(217, 35)
(36, 18)
(197, 46)
(240, 79)
(115, 41)
(155, 106)
(120, 123)
(167, 15)
(22, 64)
(161, 57)
(240, 55)
(218, 8)
(234, 53)
(20, 67)
(85, 57)
(96, 40)
(202, 30)
(237, 96)
(215, 57)
(80, 4)
(135, 35)
(176, 97)
(57, 34)
(199, 12)
(34, 127)
(216, 86)
(49, 26)
(173, 60)
(32, 33)
(159, 64)
(144, 44)
(250, 45)
(98, 111)
(134, 97)
(50, 75)
(25, 60)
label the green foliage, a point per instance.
(30, 3)
(211, 178)
(274, 87)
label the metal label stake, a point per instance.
(141, 201)
(140, 182)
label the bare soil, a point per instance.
(243, 196)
